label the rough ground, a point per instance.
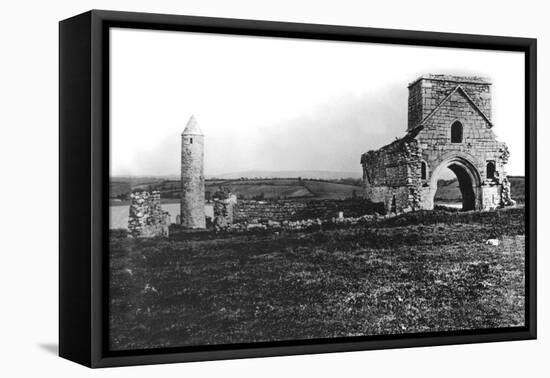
(427, 271)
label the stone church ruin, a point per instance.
(449, 126)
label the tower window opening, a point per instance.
(491, 169)
(190, 140)
(456, 132)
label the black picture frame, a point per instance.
(83, 181)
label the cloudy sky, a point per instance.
(282, 104)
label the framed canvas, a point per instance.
(237, 188)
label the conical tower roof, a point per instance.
(192, 127)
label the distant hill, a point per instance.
(140, 180)
(324, 175)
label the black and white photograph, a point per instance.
(289, 188)
(266, 189)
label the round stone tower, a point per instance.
(192, 176)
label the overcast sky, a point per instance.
(282, 104)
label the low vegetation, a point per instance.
(418, 272)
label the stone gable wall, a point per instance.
(478, 140)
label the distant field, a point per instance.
(448, 190)
(418, 272)
(329, 190)
(517, 184)
(279, 188)
(119, 189)
(290, 188)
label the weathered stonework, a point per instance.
(146, 218)
(449, 126)
(287, 210)
(224, 210)
(192, 202)
(391, 175)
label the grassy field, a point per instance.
(287, 188)
(425, 271)
(279, 188)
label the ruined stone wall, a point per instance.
(224, 210)
(257, 211)
(391, 175)
(428, 91)
(146, 217)
(192, 201)
(253, 211)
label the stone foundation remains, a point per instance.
(286, 210)
(146, 218)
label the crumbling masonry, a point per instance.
(449, 126)
(146, 218)
(224, 208)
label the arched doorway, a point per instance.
(469, 181)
